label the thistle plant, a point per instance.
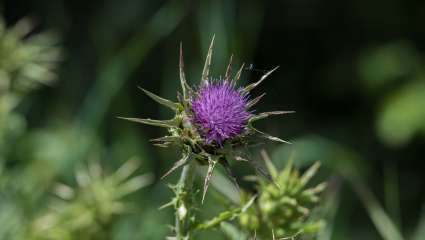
(87, 211)
(213, 124)
(26, 61)
(284, 207)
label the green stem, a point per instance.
(185, 200)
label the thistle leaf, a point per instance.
(254, 85)
(185, 159)
(174, 106)
(268, 114)
(206, 71)
(229, 68)
(255, 100)
(211, 164)
(269, 137)
(159, 123)
(184, 85)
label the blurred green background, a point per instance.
(354, 71)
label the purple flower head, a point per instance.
(220, 111)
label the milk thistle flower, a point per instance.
(213, 122)
(220, 111)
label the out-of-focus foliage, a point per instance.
(398, 68)
(385, 64)
(284, 206)
(87, 211)
(403, 114)
(84, 212)
(26, 61)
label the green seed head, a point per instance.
(285, 205)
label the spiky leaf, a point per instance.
(174, 106)
(212, 161)
(159, 123)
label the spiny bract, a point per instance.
(212, 124)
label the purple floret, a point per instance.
(220, 111)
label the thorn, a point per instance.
(255, 100)
(159, 123)
(239, 73)
(176, 165)
(182, 75)
(254, 85)
(207, 65)
(229, 68)
(210, 170)
(160, 100)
